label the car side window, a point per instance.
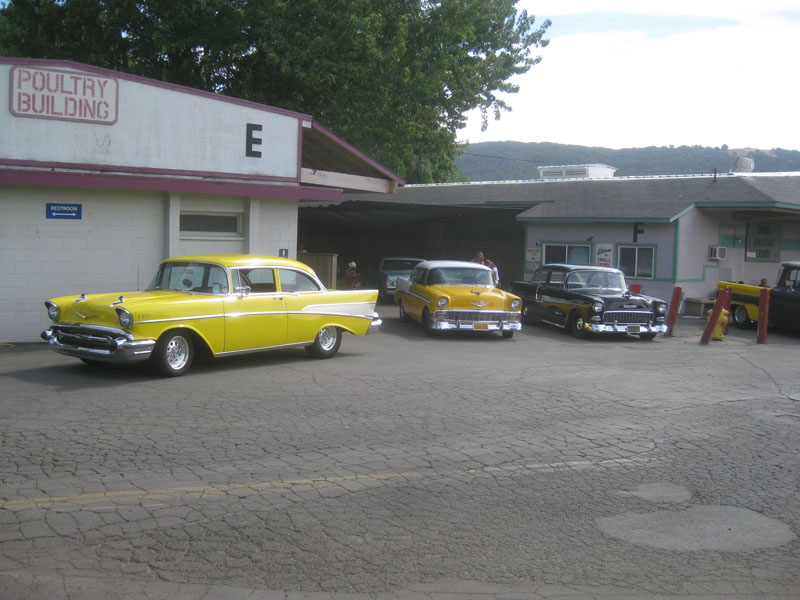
(261, 280)
(218, 280)
(557, 279)
(295, 281)
(540, 277)
(418, 276)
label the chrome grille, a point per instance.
(475, 315)
(627, 317)
(84, 337)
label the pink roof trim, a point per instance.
(117, 181)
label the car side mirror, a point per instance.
(242, 291)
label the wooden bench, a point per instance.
(698, 306)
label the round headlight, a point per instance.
(442, 302)
(125, 318)
(516, 303)
(661, 308)
(52, 311)
(597, 307)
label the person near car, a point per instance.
(481, 259)
(351, 276)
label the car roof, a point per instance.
(436, 264)
(571, 267)
(241, 260)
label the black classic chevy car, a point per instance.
(589, 299)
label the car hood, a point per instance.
(472, 296)
(102, 308)
(617, 300)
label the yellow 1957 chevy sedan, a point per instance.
(217, 304)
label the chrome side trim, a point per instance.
(173, 319)
(263, 348)
(418, 297)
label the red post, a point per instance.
(712, 320)
(763, 316)
(727, 306)
(673, 308)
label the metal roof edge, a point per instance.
(356, 152)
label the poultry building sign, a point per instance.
(64, 95)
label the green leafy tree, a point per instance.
(393, 77)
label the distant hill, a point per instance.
(502, 161)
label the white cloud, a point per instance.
(733, 83)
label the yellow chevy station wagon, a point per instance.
(218, 304)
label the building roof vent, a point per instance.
(744, 164)
(577, 172)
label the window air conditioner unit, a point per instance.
(717, 253)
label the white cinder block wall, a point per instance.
(115, 246)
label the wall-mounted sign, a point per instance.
(604, 255)
(63, 95)
(64, 211)
(763, 242)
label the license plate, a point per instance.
(481, 326)
(633, 329)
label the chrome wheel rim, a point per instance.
(177, 353)
(327, 338)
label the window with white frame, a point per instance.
(636, 261)
(211, 224)
(576, 254)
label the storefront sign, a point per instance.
(763, 242)
(63, 95)
(604, 255)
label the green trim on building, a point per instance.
(702, 279)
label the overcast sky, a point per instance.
(635, 73)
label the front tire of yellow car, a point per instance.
(428, 324)
(173, 354)
(403, 314)
(326, 343)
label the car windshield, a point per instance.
(596, 280)
(460, 276)
(399, 264)
(191, 277)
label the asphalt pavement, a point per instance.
(462, 466)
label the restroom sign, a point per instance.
(64, 211)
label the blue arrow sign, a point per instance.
(64, 211)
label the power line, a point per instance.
(541, 162)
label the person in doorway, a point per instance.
(481, 259)
(351, 276)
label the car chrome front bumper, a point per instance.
(621, 328)
(506, 321)
(103, 345)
